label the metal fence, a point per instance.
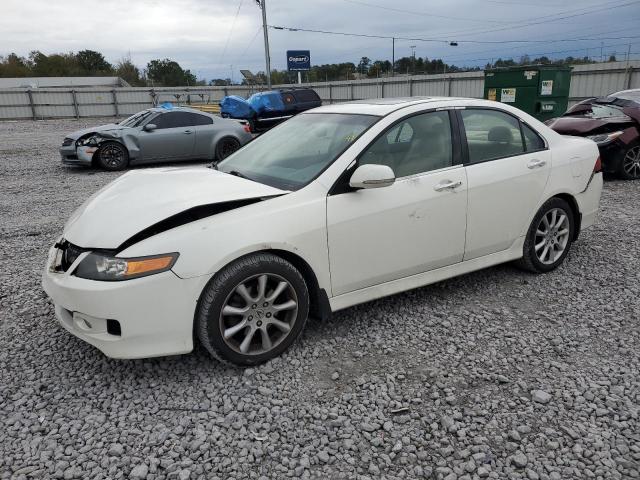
(19, 103)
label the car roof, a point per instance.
(385, 106)
(632, 94)
(179, 109)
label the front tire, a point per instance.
(630, 163)
(113, 156)
(252, 310)
(549, 237)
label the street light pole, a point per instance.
(265, 29)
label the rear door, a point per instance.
(507, 165)
(173, 138)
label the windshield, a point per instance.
(296, 151)
(137, 119)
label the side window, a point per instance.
(197, 119)
(166, 120)
(176, 120)
(491, 134)
(416, 145)
(532, 140)
(401, 133)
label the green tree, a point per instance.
(126, 70)
(93, 63)
(168, 73)
(14, 66)
(363, 65)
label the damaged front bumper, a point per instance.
(82, 155)
(139, 318)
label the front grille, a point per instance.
(67, 141)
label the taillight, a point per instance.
(247, 128)
(598, 166)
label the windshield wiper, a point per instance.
(238, 174)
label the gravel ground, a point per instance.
(496, 374)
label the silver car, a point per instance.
(162, 134)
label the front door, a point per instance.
(173, 138)
(415, 225)
(507, 172)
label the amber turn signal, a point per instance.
(137, 267)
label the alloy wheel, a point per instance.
(631, 162)
(258, 314)
(112, 155)
(552, 236)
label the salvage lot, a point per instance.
(433, 383)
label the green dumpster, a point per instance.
(539, 90)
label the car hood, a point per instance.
(139, 199)
(110, 127)
(577, 125)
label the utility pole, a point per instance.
(265, 28)
(413, 58)
(393, 55)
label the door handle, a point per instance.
(188, 132)
(536, 163)
(446, 185)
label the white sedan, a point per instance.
(338, 206)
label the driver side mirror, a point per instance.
(149, 127)
(372, 176)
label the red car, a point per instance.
(613, 122)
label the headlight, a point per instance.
(604, 138)
(96, 266)
(88, 141)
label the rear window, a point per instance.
(306, 96)
(604, 111)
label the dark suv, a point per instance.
(613, 122)
(264, 110)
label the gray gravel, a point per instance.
(497, 374)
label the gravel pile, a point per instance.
(497, 374)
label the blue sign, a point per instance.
(298, 60)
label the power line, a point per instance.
(550, 41)
(423, 14)
(546, 19)
(435, 40)
(528, 4)
(251, 42)
(548, 53)
(233, 24)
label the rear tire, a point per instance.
(226, 146)
(252, 310)
(630, 163)
(549, 237)
(113, 156)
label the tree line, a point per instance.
(168, 73)
(366, 68)
(89, 63)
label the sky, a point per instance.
(217, 38)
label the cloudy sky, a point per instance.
(215, 37)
